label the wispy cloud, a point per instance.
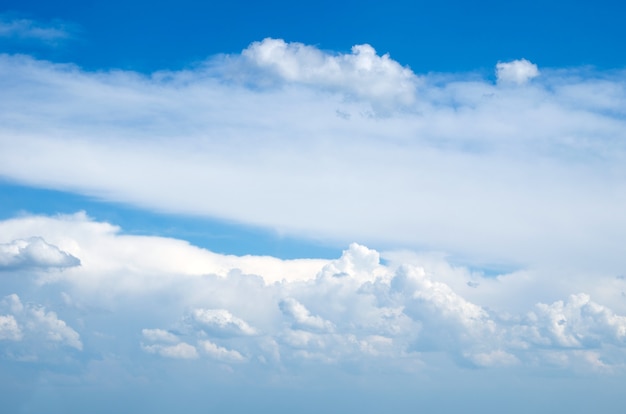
(26, 29)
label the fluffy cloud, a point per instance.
(576, 323)
(362, 73)
(9, 329)
(34, 253)
(34, 324)
(302, 317)
(355, 311)
(517, 71)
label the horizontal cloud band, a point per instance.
(528, 170)
(350, 309)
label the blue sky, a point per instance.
(312, 207)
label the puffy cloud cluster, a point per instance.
(34, 327)
(353, 311)
(34, 253)
(362, 73)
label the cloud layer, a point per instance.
(528, 170)
(352, 311)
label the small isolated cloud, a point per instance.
(517, 71)
(26, 29)
(34, 253)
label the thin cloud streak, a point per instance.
(26, 29)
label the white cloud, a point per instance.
(220, 353)
(179, 351)
(517, 71)
(354, 308)
(362, 73)
(222, 322)
(9, 329)
(34, 253)
(575, 323)
(33, 323)
(302, 317)
(528, 176)
(159, 335)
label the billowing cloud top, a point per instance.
(353, 308)
(362, 73)
(32, 253)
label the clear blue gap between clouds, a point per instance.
(212, 234)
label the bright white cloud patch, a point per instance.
(517, 71)
(362, 73)
(33, 253)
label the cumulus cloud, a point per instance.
(34, 253)
(363, 72)
(517, 71)
(33, 323)
(9, 329)
(222, 322)
(576, 323)
(357, 307)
